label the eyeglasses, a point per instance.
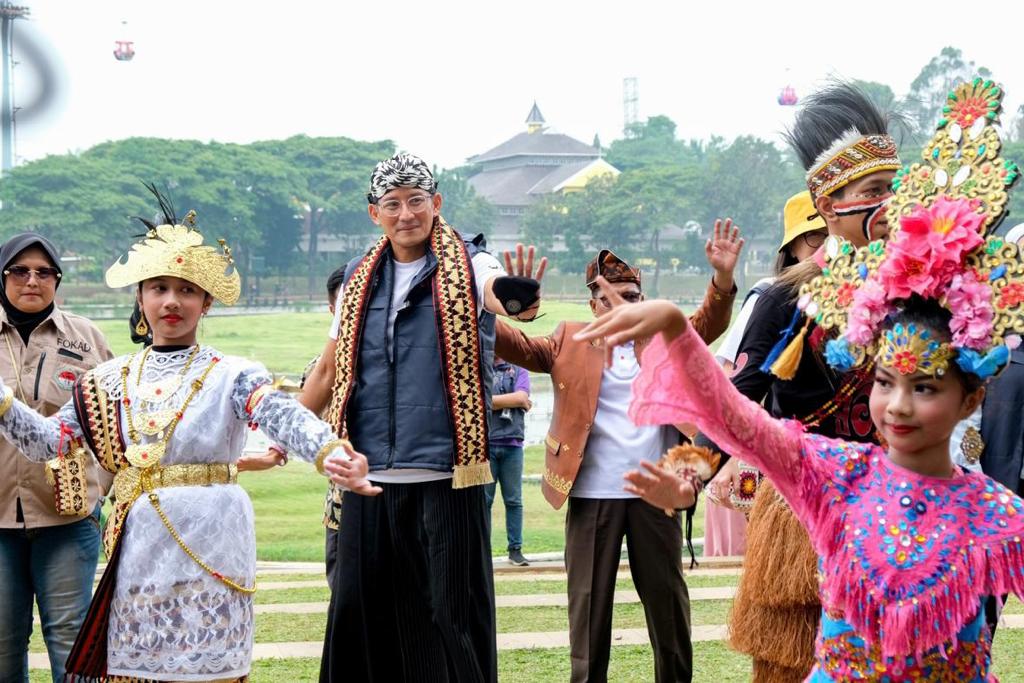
(22, 274)
(417, 204)
(815, 238)
(629, 297)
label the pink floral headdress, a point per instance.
(944, 211)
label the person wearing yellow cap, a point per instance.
(803, 233)
(841, 140)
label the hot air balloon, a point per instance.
(787, 97)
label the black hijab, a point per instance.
(25, 322)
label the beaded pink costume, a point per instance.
(906, 559)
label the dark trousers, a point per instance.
(330, 551)
(594, 529)
(413, 593)
(54, 566)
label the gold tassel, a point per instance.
(472, 475)
(788, 362)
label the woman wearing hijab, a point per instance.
(49, 513)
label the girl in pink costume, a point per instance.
(910, 544)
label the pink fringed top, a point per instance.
(906, 559)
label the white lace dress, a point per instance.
(171, 620)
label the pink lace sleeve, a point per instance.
(682, 382)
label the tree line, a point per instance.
(276, 201)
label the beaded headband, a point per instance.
(940, 247)
(908, 350)
(851, 157)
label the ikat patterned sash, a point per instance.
(455, 309)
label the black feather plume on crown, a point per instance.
(166, 209)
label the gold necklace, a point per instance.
(161, 390)
(147, 455)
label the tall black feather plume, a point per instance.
(827, 114)
(168, 216)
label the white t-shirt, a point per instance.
(485, 267)
(616, 445)
(730, 346)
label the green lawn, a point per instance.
(628, 664)
(285, 342)
(288, 502)
(289, 506)
(293, 595)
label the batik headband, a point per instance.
(401, 170)
(614, 269)
(852, 156)
(942, 247)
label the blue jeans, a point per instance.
(507, 469)
(55, 566)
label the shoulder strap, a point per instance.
(99, 418)
(758, 289)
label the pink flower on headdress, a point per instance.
(930, 247)
(971, 304)
(869, 308)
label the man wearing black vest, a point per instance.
(407, 375)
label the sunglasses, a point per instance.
(23, 274)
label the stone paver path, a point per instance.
(548, 569)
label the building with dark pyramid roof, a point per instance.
(519, 171)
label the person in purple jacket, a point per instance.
(510, 400)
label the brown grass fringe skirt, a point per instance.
(775, 615)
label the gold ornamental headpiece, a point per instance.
(852, 156)
(962, 159)
(942, 246)
(178, 251)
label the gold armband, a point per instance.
(7, 402)
(326, 450)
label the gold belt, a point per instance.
(131, 482)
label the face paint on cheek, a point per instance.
(873, 210)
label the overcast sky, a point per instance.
(450, 79)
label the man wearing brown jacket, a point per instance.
(590, 445)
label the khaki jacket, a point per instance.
(62, 348)
(576, 369)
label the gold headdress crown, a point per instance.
(962, 160)
(178, 251)
(941, 247)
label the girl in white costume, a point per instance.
(175, 603)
